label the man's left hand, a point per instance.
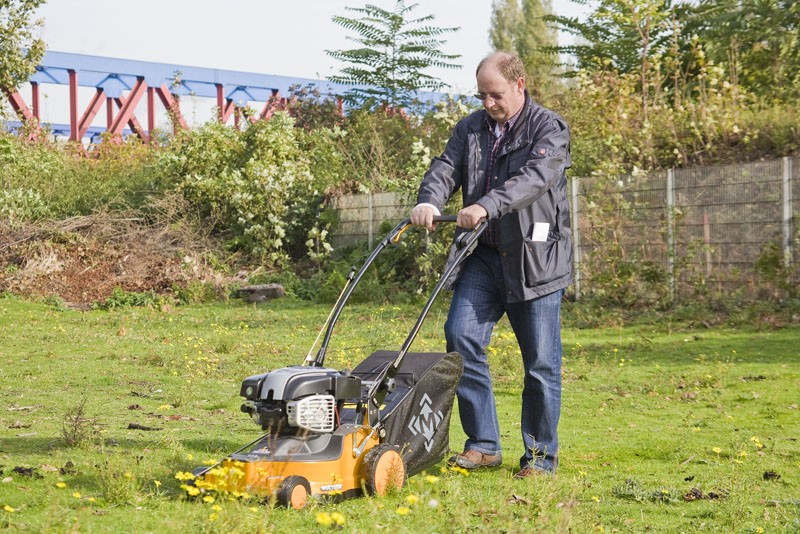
(471, 216)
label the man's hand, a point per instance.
(470, 216)
(422, 215)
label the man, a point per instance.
(509, 160)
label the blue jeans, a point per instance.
(478, 303)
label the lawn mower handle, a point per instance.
(394, 237)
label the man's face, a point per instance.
(501, 98)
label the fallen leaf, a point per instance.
(516, 499)
(136, 426)
(20, 424)
(26, 472)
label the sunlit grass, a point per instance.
(663, 429)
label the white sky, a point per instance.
(288, 38)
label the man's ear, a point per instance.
(521, 84)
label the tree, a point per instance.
(758, 40)
(20, 50)
(620, 34)
(389, 65)
(525, 31)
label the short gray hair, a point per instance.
(509, 65)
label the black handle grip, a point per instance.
(444, 218)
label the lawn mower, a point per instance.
(339, 433)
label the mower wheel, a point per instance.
(293, 492)
(383, 469)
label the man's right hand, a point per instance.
(422, 215)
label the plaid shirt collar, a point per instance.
(494, 127)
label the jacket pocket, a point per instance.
(545, 261)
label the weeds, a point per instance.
(76, 428)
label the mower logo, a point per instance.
(426, 422)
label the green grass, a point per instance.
(652, 413)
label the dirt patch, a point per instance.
(82, 259)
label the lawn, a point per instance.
(666, 427)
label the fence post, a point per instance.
(671, 230)
(787, 214)
(576, 238)
(370, 218)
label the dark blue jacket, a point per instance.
(531, 188)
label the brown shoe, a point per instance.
(528, 471)
(473, 459)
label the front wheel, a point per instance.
(293, 492)
(383, 469)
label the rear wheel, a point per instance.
(383, 469)
(293, 492)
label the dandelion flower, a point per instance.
(431, 479)
(595, 498)
(433, 503)
(412, 499)
(717, 450)
(9, 509)
(77, 495)
(208, 499)
(403, 510)
(324, 519)
(157, 483)
(338, 518)
(60, 485)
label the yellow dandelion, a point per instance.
(213, 517)
(128, 474)
(184, 475)
(216, 508)
(60, 485)
(595, 498)
(324, 519)
(190, 457)
(717, 450)
(91, 499)
(77, 495)
(157, 483)
(742, 454)
(431, 479)
(403, 510)
(191, 490)
(338, 518)
(9, 509)
(208, 499)
(412, 499)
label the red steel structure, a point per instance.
(121, 85)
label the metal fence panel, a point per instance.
(712, 227)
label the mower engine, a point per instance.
(298, 397)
